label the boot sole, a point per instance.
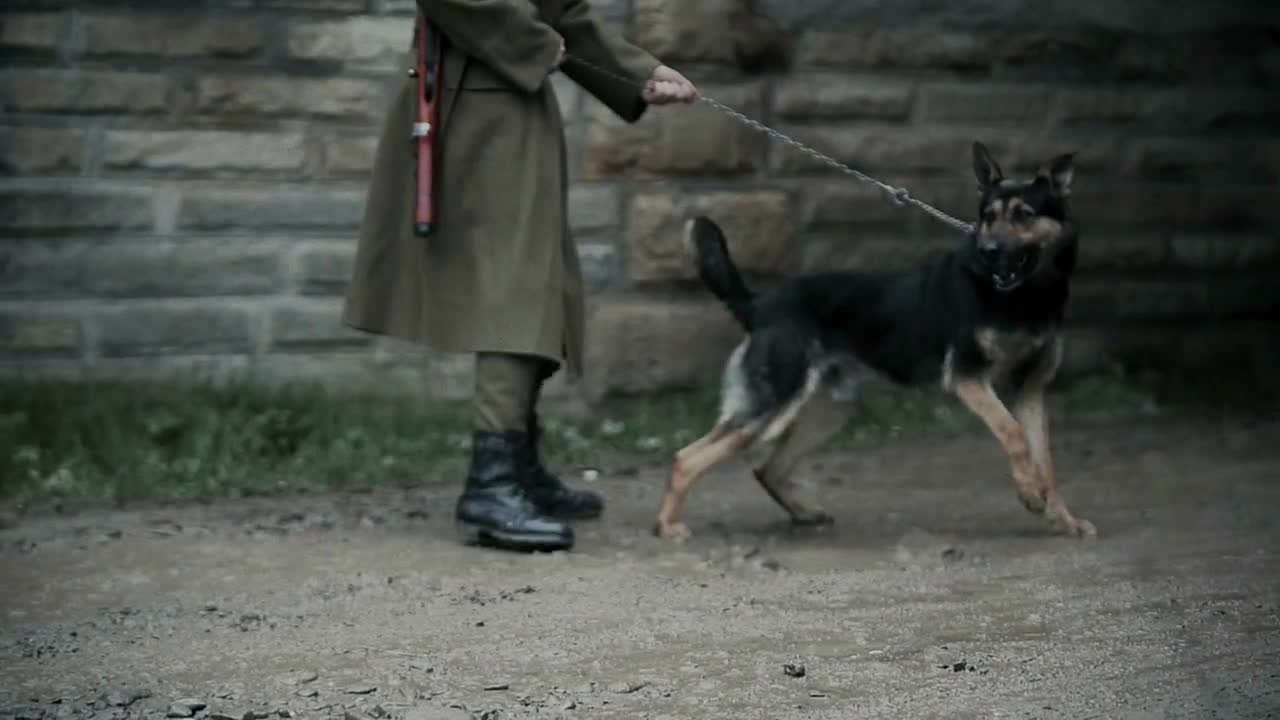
(503, 540)
(590, 515)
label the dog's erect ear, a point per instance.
(1059, 172)
(985, 167)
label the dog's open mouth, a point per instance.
(1005, 284)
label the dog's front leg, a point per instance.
(981, 399)
(1029, 411)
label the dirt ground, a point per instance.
(934, 595)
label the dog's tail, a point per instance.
(717, 270)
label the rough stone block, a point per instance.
(334, 209)
(82, 91)
(1237, 207)
(313, 325)
(1112, 251)
(880, 150)
(827, 96)
(1255, 294)
(176, 330)
(191, 268)
(883, 47)
(41, 268)
(1232, 111)
(1160, 299)
(38, 333)
(825, 204)
(825, 253)
(30, 212)
(364, 41)
(1086, 108)
(184, 35)
(689, 30)
(31, 151)
(202, 151)
(347, 155)
(697, 140)
(984, 104)
(594, 207)
(323, 268)
(640, 345)
(329, 98)
(1134, 205)
(599, 262)
(1223, 250)
(31, 31)
(757, 226)
(1190, 160)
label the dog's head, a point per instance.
(1021, 223)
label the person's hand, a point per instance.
(667, 86)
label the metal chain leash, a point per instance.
(897, 195)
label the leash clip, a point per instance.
(900, 196)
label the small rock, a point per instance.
(178, 710)
(953, 554)
(569, 705)
(305, 677)
(193, 705)
(817, 694)
(437, 714)
(794, 669)
(307, 693)
(498, 686)
(362, 689)
(626, 688)
(24, 712)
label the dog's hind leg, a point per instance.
(717, 446)
(821, 418)
(1028, 408)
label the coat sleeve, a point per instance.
(587, 37)
(505, 35)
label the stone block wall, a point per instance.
(180, 184)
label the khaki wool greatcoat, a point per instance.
(501, 271)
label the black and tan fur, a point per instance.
(984, 315)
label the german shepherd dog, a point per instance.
(984, 315)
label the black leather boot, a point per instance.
(549, 494)
(495, 508)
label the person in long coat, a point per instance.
(499, 277)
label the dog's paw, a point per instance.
(672, 531)
(1082, 528)
(1074, 527)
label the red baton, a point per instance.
(427, 61)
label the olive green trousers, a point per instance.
(506, 390)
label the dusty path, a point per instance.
(936, 595)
